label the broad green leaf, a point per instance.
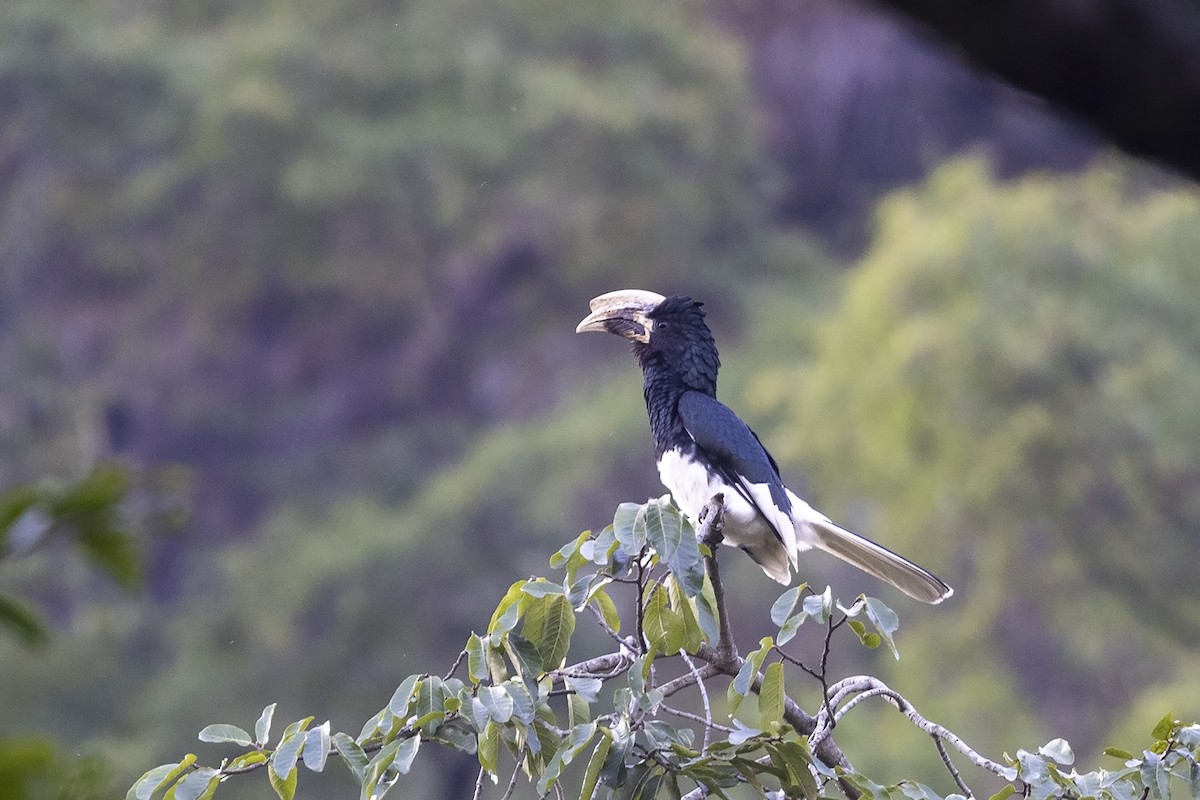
(1059, 751)
(525, 657)
(796, 757)
(1007, 791)
(624, 527)
(351, 753)
(402, 697)
(375, 771)
(523, 705)
(771, 696)
(608, 610)
(220, 734)
(431, 704)
(508, 611)
(540, 587)
(497, 702)
(1162, 731)
(741, 733)
(782, 608)
(819, 606)
(405, 754)
(316, 747)
(592, 775)
(664, 531)
(489, 748)
(549, 623)
(477, 666)
(160, 777)
(285, 787)
(197, 783)
(283, 760)
(885, 621)
(1117, 752)
(693, 635)
(246, 759)
(664, 628)
(687, 564)
(296, 727)
(262, 728)
(578, 710)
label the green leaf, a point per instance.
(431, 704)
(771, 696)
(741, 733)
(115, 553)
(885, 621)
(664, 628)
(296, 727)
(549, 623)
(819, 606)
(608, 610)
(262, 728)
(1058, 751)
(405, 753)
(664, 530)
(505, 617)
(592, 775)
(284, 786)
(283, 760)
(1117, 752)
(21, 620)
(351, 753)
(477, 666)
(627, 534)
(782, 608)
(197, 783)
(1162, 731)
(402, 697)
(497, 702)
(540, 587)
(525, 657)
(219, 734)
(1007, 791)
(316, 747)
(693, 635)
(158, 778)
(489, 748)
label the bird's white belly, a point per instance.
(692, 485)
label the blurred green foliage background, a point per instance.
(327, 259)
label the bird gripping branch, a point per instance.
(703, 448)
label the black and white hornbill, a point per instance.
(703, 448)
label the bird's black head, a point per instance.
(668, 333)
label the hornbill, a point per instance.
(703, 448)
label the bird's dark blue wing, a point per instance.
(730, 445)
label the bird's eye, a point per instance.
(661, 325)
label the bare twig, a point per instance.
(453, 667)
(607, 629)
(479, 784)
(712, 523)
(512, 782)
(708, 725)
(707, 722)
(954, 773)
(866, 687)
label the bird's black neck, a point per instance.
(662, 386)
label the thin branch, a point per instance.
(479, 784)
(708, 724)
(607, 629)
(453, 667)
(512, 782)
(873, 687)
(941, 748)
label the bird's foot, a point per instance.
(712, 521)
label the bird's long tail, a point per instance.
(877, 560)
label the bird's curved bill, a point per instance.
(622, 312)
